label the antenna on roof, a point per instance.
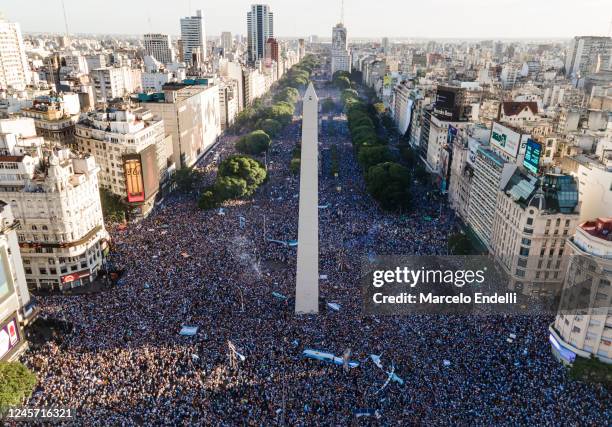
(65, 18)
(342, 11)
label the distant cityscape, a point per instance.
(186, 221)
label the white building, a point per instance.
(588, 54)
(14, 69)
(226, 42)
(191, 117)
(113, 83)
(16, 307)
(55, 197)
(154, 81)
(260, 27)
(132, 150)
(340, 56)
(586, 329)
(193, 38)
(228, 102)
(160, 47)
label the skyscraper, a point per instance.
(226, 42)
(588, 54)
(193, 36)
(260, 27)
(14, 69)
(272, 51)
(160, 47)
(340, 57)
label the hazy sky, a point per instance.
(363, 18)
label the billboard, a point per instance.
(533, 153)
(134, 184)
(452, 134)
(505, 139)
(445, 103)
(9, 336)
(473, 145)
(69, 278)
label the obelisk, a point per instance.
(307, 278)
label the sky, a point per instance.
(363, 18)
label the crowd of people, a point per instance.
(126, 363)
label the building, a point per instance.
(193, 37)
(588, 54)
(489, 172)
(133, 153)
(55, 197)
(254, 84)
(260, 27)
(14, 68)
(116, 82)
(227, 42)
(160, 47)
(518, 113)
(301, 49)
(190, 113)
(532, 219)
(228, 102)
(155, 81)
(340, 56)
(272, 51)
(385, 45)
(584, 327)
(55, 117)
(16, 307)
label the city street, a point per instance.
(126, 364)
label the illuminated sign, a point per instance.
(69, 278)
(134, 184)
(505, 139)
(533, 153)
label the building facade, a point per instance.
(193, 38)
(340, 56)
(160, 47)
(585, 328)
(14, 68)
(260, 27)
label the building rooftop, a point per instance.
(552, 193)
(600, 228)
(513, 108)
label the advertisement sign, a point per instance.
(150, 171)
(452, 134)
(69, 278)
(505, 139)
(473, 145)
(9, 337)
(5, 288)
(387, 81)
(533, 153)
(134, 184)
(445, 103)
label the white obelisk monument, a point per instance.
(307, 280)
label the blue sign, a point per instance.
(533, 153)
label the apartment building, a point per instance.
(132, 150)
(532, 220)
(583, 326)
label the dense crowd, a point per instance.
(126, 364)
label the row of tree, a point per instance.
(387, 181)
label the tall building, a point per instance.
(160, 47)
(133, 153)
(191, 116)
(301, 49)
(340, 56)
(386, 47)
(55, 197)
(226, 42)
(115, 82)
(588, 54)
(585, 329)
(260, 27)
(272, 50)
(193, 37)
(15, 303)
(532, 219)
(14, 69)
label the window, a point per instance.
(42, 270)
(525, 241)
(524, 251)
(529, 221)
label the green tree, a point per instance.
(421, 175)
(270, 126)
(328, 105)
(459, 244)
(246, 168)
(16, 384)
(229, 187)
(409, 156)
(255, 142)
(389, 184)
(114, 208)
(295, 165)
(370, 156)
(379, 107)
(208, 199)
(185, 179)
